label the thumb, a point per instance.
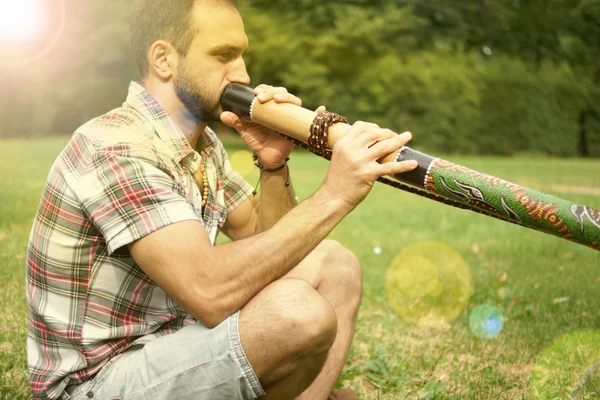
(232, 120)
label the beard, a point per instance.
(196, 98)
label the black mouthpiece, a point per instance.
(238, 99)
(417, 176)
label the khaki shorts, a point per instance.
(193, 363)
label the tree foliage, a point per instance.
(480, 76)
(485, 76)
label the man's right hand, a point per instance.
(354, 168)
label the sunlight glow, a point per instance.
(20, 20)
(29, 29)
(429, 284)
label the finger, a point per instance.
(278, 89)
(261, 88)
(261, 92)
(380, 135)
(374, 135)
(360, 127)
(267, 93)
(393, 167)
(384, 147)
(321, 109)
(287, 98)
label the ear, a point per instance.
(163, 59)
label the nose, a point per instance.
(239, 73)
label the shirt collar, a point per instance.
(143, 102)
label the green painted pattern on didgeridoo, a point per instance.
(527, 207)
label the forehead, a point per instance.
(218, 24)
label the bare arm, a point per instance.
(276, 199)
(257, 214)
(211, 283)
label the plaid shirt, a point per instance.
(121, 177)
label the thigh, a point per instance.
(192, 363)
(333, 270)
(310, 269)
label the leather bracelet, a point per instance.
(263, 170)
(261, 167)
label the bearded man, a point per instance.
(130, 297)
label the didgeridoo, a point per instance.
(438, 179)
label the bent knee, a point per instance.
(344, 266)
(310, 319)
(340, 255)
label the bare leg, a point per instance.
(342, 394)
(335, 273)
(297, 332)
(286, 332)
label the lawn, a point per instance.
(545, 288)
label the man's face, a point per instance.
(213, 61)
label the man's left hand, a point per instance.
(269, 146)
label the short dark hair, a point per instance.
(169, 20)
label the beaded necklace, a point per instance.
(204, 183)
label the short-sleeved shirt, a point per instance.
(121, 177)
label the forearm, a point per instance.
(248, 265)
(276, 199)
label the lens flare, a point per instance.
(486, 321)
(241, 161)
(429, 284)
(435, 288)
(20, 20)
(29, 29)
(569, 368)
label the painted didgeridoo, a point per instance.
(438, 179)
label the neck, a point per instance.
(191, 128)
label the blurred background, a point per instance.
(514, 78)
(473, 76)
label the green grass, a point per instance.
(545, 287)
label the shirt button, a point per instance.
(90, 394)
(195, 157)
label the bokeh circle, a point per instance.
(486, 321)
(568, 368)
(429, 284)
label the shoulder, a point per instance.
(120, 132)
(119, 126)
